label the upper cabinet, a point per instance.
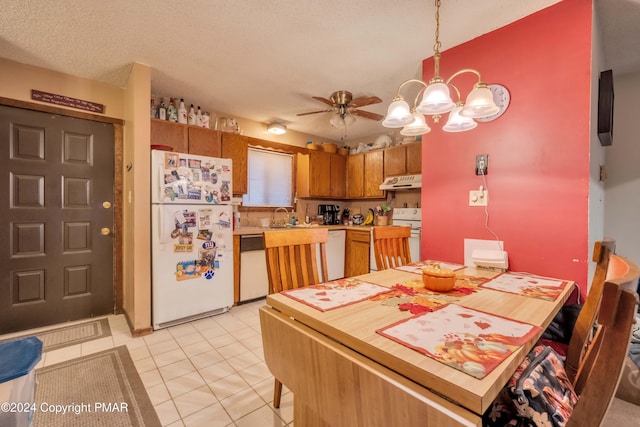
(338, 176)
(186, 139)
(172, 134)
(365, 174)
(321, 174)
(414, 158)
(403, 159)
(236, 148)
(204, 142)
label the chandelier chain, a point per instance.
(436, 45)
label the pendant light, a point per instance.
(436, 100)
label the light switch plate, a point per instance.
(478, 198)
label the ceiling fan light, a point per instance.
(349, 119)
(458, 123)
(479, 103)
(340, 121)
(276, 129)
(436, 99)
(398, 114)
(418, 127)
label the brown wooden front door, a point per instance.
(56, 197)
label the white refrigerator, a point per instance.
(191, 237)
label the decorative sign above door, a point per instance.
(67, 101)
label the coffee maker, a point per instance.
(330, 214)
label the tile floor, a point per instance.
(209, 372)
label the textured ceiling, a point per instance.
(263, 60)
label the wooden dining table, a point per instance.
(343, 372)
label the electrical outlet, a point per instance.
(478, 198)
(482, 164)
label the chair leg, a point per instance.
(277, 393)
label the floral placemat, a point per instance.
(416, 267)
(528, 285)
(412, 296)
(335, 294)
(469, 340)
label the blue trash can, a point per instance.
(17, 380)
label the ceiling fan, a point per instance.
(344, 105)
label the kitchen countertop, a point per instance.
(239, 231)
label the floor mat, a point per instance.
(65, 336)
(101, 389)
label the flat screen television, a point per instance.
(605, 108)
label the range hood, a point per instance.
(402, 182)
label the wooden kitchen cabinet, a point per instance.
(403, 159)
(204, 142)
(338, 188)
(186, 139)
(373, 173)
(236, 148)
(357, 252)
(174, 135)
(320, 174)
(395, 162)
(365, 174)
(355, 176)
(414, 158)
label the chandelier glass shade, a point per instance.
(418, 127)
(436, 100)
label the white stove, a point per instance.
(411, 217)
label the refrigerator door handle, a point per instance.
(160, 223)
(160, 181)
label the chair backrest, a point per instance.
(583, 329)
(292, 257)
(601, 367)
(391, 246)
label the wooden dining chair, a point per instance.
(585, 323)
(600, 369)
(391, 246)
(292, 262)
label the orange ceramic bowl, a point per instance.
(438, 279)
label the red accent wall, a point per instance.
(538, 175)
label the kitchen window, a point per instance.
(270, 178)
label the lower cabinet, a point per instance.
(357, 252)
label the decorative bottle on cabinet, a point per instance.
(199, 117)
(182, 112)
(172, 111)
(192, 116)
(154, 109)
(162, 111)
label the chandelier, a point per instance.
(436, 100)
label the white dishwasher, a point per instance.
(254, 282)
(335, 253)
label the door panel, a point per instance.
(56, 172)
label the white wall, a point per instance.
(622, 188)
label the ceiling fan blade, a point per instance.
(367, 115)
(313, 112)
(321, 99)
(361, 101)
